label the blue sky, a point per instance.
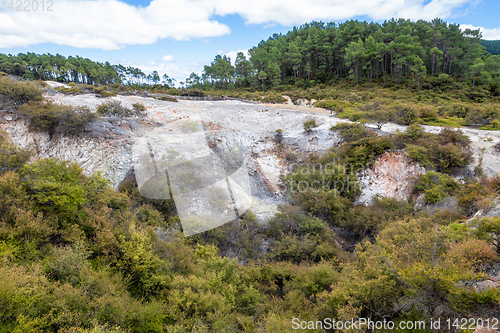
(178, 37)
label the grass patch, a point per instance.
(444, 122)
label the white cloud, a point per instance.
(167, 58)
(490, 34)
(290, 12)
(111, 24)
(108, 24)
(233, 54)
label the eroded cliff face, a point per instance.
(106, 146)
(109, 156)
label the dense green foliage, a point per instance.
(492, 46)
(436, 186)
(11, 156)
(59, 68)
(446, 152)
(77, 256)
(398, 51)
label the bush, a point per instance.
(116, 108)
(102, 92)
(138, 107)
(436, 186)
(404, 114)
(67, 263)
(18, 92)
(54, 118)
(428, 113)
(278, 136)
(69, 91)
(309, 125)
(364, 151)
(482, 115)
(472, 197)
(413, 132)
(167, 98)
(445, 152)
(11, 156)
(351, 132)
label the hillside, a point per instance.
(346, 219)
(492, 46)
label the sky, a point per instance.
(178, 37)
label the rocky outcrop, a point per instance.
(495, 208)
(491, 211)
(392, 175)
(106, 145)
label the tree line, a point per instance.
(76, 69)
(317, 52)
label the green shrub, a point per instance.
(448, 135)
(482, 115)
(18, 92)
(450, 157)
(67, 263)
(414, 132)
(55, 118)
(364, 151)
(428, 113)
(278, 136)
(138, 107)
(299, 249)
(273, 97)
(73, 90)
(56, 186)
(102, 92)
(11, 156)
(363, 220)
(167, 98)
(116, 108)
(378, 117)
(351, 132)
(445, 152)
(436, 186)
(420, 154)
(309, 125)
(150, 216)
(471, 197)
(450, 109)
(404, 114)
